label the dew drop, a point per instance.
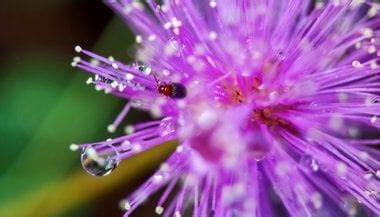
(281, 55)
(146, 70)
(137, 103)
(308, 163)
(369, 175)
(175, 44)
(316, 199)
(259, 154)
(374, 100)
(173, 47)
(167, 126)
(349, 206)
(99, 160)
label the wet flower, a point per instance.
(273, 103)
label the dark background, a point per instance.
(45, 106)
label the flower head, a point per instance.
(269, 101)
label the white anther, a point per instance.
(78, 49)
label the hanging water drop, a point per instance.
(146, 70)
(308, 163)
(99, 160)
(369, 175)
(349, 206)
(374, 100)
(175, 44)
(280, 55)
(173, 47)
(259, 154)
(167, 126)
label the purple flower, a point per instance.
(274, 103)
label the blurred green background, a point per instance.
(45, 106)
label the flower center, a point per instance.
(234, 127)
(269, 116)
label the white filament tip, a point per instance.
(357, 64)
(129, 129)
(77, 59)
(78, 49)
(111, 128)
(115, 66)
(129, 76)
(127, 205)
(89, 80)
(136, 148)
(212, 3)
(74, 147)
(139, 39)
(179, 149)
(159, 210)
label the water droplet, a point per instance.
(316, 199)
(175, 44)
(280, 55)
(137, 103)
(308, 163)
(259, 155)
(167, 126)
(99, 160)
(173, 47)
(144, 69)
(374, 100)
(369, 175)
(349, 206)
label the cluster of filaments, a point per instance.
(316, 110)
